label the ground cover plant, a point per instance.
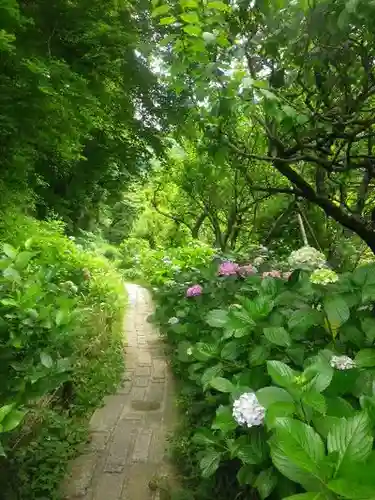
(276, 369)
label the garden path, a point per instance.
(126, 459)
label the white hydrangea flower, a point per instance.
(323, 276)
(342, 362)
(173, 320)
(167, 260)
(307, 258)
(248, 411)
(189, 351)
(258, 261)
(208, 37)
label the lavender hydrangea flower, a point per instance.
(228, 269)
(194, 291)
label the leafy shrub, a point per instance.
(277, 382)
(61, 311)
(157, 267)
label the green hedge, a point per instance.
(61, 317)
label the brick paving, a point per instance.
(129, 433)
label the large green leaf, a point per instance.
(224, 420)
(246, 475)
(217, 318)
(368, 327)
(252, 447)
(12, 420)
(266, 482)
(271, 395)
(210, 462)
(351, 438)
(204, 352)
(210, 373)
(319, 375)
(364, 275)
(204, 437)
(277, 335)
(281, 373)
(365, 358)
(307, 496)
(259, 355)
(316, 401)
(231, 350)
(222, 384)
(297, 450)
(337, 310)
(303, 319)
(5, 410)
(161, 10)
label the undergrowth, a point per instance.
(61, 312)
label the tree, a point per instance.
(80, 111)
(301, 76)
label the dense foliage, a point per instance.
(61, 350)
(276, 373)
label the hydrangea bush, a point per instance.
(278, 371)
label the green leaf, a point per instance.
(12, 275)
(277, 335)
(319, 375)
(222, 384)
(217, 318)
(210, 373)
(307, 496)
(204, 437)
(162, 9)
(246, 474)
(12, 420)
(270, 395)
(164, 21)
(46, 360)
(316, 401)
(224, 420)
(190, 17)
(337, 310)
(353, 490)
(364, 275)
(2, 451)
(297, 450)
(265, 482)
(5, 410)
(204, 352)
(368, 327)
(277, 410)
(9, 251)
(351, 438)
(192, 29)
(217, 5)
(303, 319)
(182, 352)
(281, 373)
(23, 259)
(210, 463)
(365, 358)
(231, 350)
(259, 355)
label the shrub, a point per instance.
(61, 312)
(277, 382)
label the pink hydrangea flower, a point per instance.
(247, 270)
(194, 291)
(228, 269)
(271, 274)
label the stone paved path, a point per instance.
(129, 434)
